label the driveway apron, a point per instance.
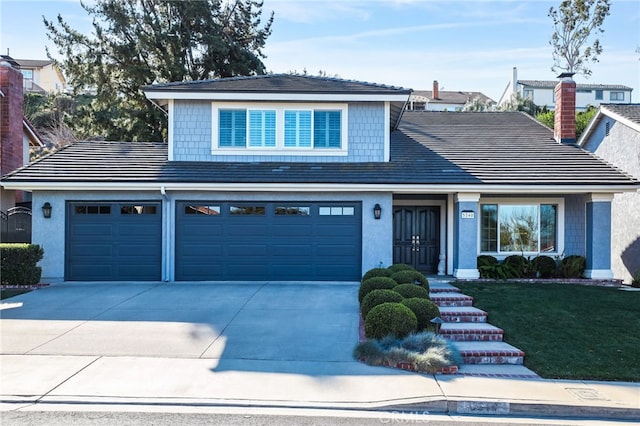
(227, 321)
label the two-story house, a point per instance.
(443, 100)
(39, 75)
(614, 135)
(542, 93)
(288, 177)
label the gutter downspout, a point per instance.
(166, 225)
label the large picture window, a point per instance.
(519, 228)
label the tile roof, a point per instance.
(279, 83)
(550, 84)
(450, 97)
(629, 111)
(435, 148)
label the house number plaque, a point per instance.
(468, 214)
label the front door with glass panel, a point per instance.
(416, 237)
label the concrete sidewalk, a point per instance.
(109, 383)
(122, 346)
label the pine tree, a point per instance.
(139, 42)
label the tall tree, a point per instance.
(575, 22)
(140, 42)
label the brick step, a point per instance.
(462, 314)
(446, 299)
(497, 370)
(489, 353)
(471, 332)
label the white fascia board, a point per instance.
(314, 187)
(254, 96)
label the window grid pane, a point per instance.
(327, 129)
(548, 228)
(232, 128)
(297, 129)
(489, 228)
(262, 128)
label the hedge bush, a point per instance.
(410, 277)
(376, 272)
(572, 266)
(490, 267)
(409, 291)
(397, 267)
(378, 297)
(425, 310)
(375, 283)
(387, 319)
(544, 266)
(18, 264)
(520, 265)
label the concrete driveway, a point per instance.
(226, 321)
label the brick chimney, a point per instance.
(436, 91)
(564, 129)
(11, 116)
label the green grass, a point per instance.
(10, 292)
(566, 331)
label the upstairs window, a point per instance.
(326, 129)
(274, 128)
(616, 96)
(528, 94)
(262, 128)
(297, 128)
(232, 125)
(599, 95)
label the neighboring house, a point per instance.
(39, 76)
(441, 100)
(286, 177)
(541, 92)
(614, 135)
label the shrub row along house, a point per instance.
(289, 177)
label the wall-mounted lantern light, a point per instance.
(46, 210)
(377, 211)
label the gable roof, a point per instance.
(278, 83)
(431, 151)
(450, 97)
(282, 88)
(551, 84)
(627, 114)
(31, 133)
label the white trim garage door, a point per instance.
(113, 241)
(288, 241)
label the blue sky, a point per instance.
(465, 45)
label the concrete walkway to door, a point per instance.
(118, 346)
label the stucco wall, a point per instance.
(192, 139)
(377, 235)
(622, 149)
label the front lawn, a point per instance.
(566, 331)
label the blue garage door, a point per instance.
(113, 241)
(268, 241)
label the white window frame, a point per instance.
(280, 149)
(617, 93)
(559, 202)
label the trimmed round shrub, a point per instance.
(410, 277)
(389, 318)
(397, 267)
(572, 266)
(544, 266)
(520, 265)
(378, 297)
(409, 291)
(486, 260)
(425, 311)
(376, 272)
(375, 283)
